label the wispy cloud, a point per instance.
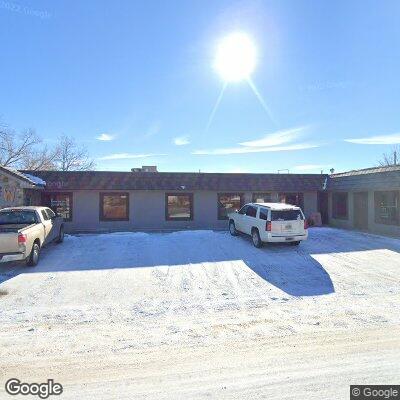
(128, 156)
(277, 141)
(379, 139)
(105, 137)
(181, 140)
(309, 167)
(276, 138)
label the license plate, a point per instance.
(288, 226)
(289, 239)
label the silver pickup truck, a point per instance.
(25, 230)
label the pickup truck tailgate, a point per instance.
(9, 242)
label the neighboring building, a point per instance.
(140, 200)
(17, 189)
(366, 199)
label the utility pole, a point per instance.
(395, 157)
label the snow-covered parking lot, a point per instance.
(201, 314)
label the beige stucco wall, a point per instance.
(147, 211)
(373, 227)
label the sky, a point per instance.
(136, 83)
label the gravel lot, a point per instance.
(201, 314)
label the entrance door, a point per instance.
(323, 207)
(360, 207)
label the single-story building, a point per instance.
(141, 200)
(366, 199)
(145, 199)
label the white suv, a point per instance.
(270, 222)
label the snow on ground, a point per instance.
(201, 314)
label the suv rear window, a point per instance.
(286, 215)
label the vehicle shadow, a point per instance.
(291, 269)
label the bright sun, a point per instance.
(236, 57)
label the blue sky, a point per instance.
(141, 73)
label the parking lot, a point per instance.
(201, 314)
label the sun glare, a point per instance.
(236, 57)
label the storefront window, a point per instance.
(60, 203)
(228, 203)
(295, 199)
(114, 206)
(179, 207)
(262, 197)
(387, 207)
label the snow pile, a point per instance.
(36, 180)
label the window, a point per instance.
(50, 213)
(251, 211)
(16, 217)
(114, 206)
(179, 207)
(243, 210)
(387, 208)
(286, 215)
(228, 203)
(45, 216)
(262, 197)
(60, 203)
(339, 205)
(263, 214)
(295, 199)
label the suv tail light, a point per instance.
(305, 224)
(21, 239)
(268, 226)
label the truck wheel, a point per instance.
(296, 243)
(232, 228)
(33, 258)
(60, 237)
(255, 236)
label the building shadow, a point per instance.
(291, 269)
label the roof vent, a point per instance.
(145, 168)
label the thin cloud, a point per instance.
(105, 137)
(278, 141)
(181, 140)
(276, 138)
(380, 139)
(128, 156)
(245, 150)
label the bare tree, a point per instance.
(40, 159)
(14, 148)
(72, 157)
(391, 157)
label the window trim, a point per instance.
(380, 222)
(101, 206)
(334, 215)
(219, 194)
(191, 207)
(47, 195)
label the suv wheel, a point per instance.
(232, 228)
(255, 236)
